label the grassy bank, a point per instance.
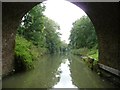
(93, 53)
(26, 53)
(90, 56)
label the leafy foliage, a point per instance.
(32, 26)
(40, 30)
(36, 33)
(24, 54)
(53, 41)
(83, 34)
(83, 39)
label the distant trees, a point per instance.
(52, 37)
(83, 34)
(64, 47)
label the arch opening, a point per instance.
(107, 44)
(33, 28)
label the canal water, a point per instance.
(57, 71)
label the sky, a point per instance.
(64, 13)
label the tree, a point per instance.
(40, 30)
(32, 26)
(82, 34)
(52, 36)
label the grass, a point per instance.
(93, 53)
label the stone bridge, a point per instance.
(103, 15)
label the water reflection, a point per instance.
(43, 76)
(57, 71)
(65, 78)
(83, 77)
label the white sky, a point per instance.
(64, 13)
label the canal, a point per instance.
(57, 71)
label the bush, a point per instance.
(24, 54)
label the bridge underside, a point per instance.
(103, 15)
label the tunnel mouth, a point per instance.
(107, 49)
(19, 64)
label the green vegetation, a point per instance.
(83, 34)
(37, 35)
(24, 54)
(93, 53)
(83, 40)
(81, 51)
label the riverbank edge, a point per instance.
(94, 66)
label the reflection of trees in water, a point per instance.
(77, 72)
(44, 75)
(46, 72)
(83, 77)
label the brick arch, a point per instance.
(103, 15)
